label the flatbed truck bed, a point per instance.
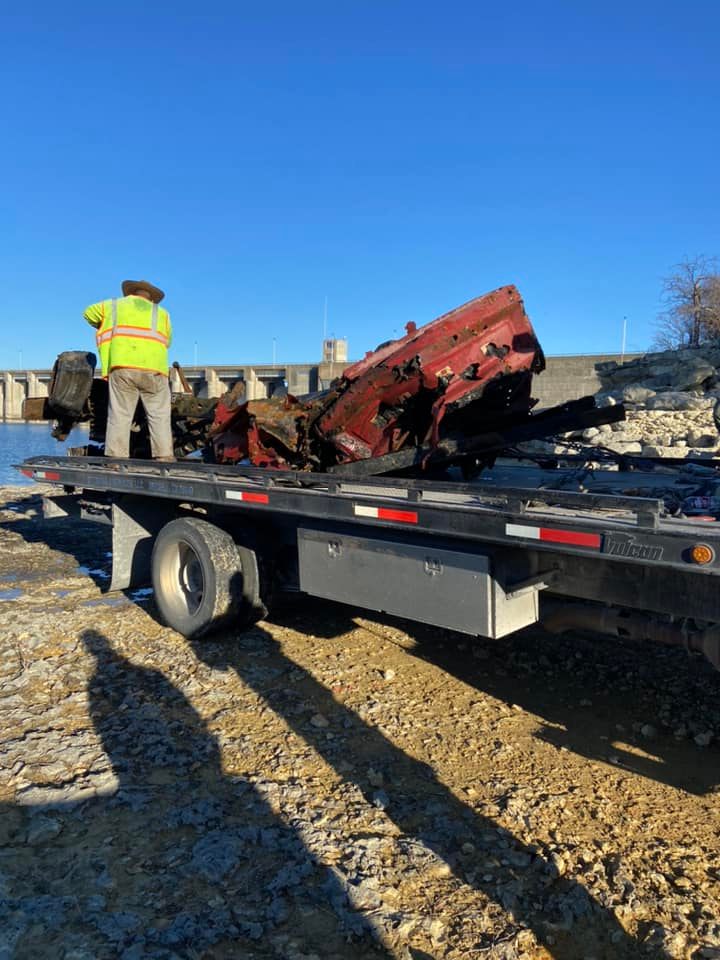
(218, 542)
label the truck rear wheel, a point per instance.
(203, 579)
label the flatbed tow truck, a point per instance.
(485, 558)
(334, 495)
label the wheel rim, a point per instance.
(182, 580)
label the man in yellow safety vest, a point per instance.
(133, 336)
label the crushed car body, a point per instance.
(472, 366)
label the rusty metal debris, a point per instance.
(457, 389)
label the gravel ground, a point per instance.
(335, 785)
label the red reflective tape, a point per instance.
(255, 498)
(51, 475)
(28, 473)
(246, 496)
(567, 536)
(402, 516)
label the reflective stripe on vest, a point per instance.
(141, 333)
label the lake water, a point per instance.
(21, 440)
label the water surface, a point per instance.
(21, 440)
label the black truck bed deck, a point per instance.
(627, 528)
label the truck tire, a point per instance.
(203, 579)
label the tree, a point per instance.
(691, 295)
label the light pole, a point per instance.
(624, 338)
(195, 354)
(274, 351)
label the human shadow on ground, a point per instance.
(513, 875)
(176, 859)
(610, 700)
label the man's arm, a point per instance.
(169, 329)
(95, 314)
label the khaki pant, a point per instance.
(125, 388)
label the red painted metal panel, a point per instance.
(400, 516)
(448, 361)
(567, 536)
(255, 498)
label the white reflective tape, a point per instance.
(518, 530)
(361, 511)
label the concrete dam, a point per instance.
(565, 378)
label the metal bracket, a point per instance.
(134, 525)
(541, 581)
(63, 505)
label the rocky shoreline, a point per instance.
(334, 785)
(670, 399)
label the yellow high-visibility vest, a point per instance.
(132, 332)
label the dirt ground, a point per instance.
(338, 785)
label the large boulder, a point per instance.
(649, 450)
(673, 400)
(624, 446)
(636, 394)
(675, 370)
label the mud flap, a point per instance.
(135, 522)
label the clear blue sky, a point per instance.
(398, 157)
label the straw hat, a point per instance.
(129, 287)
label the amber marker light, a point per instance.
(701, 553)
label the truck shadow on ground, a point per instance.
(175, 859)
(88, 543)
(635, 706)
(514, 876)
